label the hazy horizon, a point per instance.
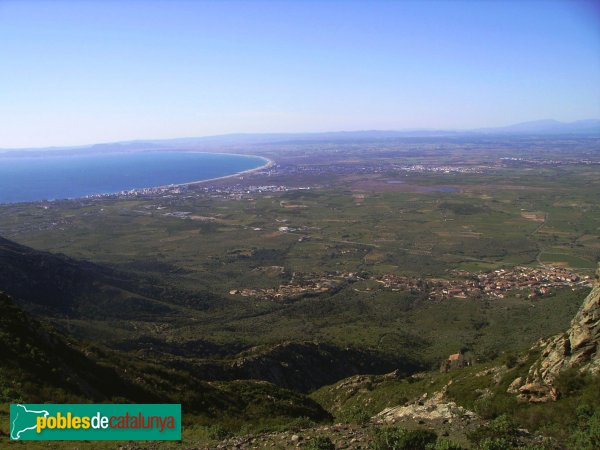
(81, 73)
(307, 133)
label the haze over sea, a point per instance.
(24, 178)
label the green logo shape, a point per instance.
(74, 422)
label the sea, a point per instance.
(36, 178)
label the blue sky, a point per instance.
(79, 72)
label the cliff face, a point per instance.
(578, 347)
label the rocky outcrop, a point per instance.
(578, 347)
(428, 409)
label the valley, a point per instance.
(333, 283)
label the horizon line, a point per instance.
(484, 130)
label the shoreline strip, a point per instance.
(268, 163)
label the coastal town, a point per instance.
(240, 185)
(256, 181)
(527, 282)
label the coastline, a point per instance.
(268, 163)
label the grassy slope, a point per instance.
(480, 227)
(481, 388)
(37, 364)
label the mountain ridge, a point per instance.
(60, 286)
(543, 127)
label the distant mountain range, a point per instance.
(539, 128)
(545, 127)
(590, 127)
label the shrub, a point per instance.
(495, 444)
(500, 431)
(355, 415)
(445, 444)
(218, 433)
(543, 446)
(319, 443)
(587, 434)
(510, 360)
(570, 381)
(401, 439)
(495, 406)
(300, 423)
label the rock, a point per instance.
(296, 438)
(578, 348)
(423, 410)
(484, 393)
(514, 386)
(537, 393)
(395, 375)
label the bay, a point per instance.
(25, 179)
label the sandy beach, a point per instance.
(268, 163)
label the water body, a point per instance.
(439, 189)
(24, 179)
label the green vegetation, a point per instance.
(320, 443)
(587, 432)
(401, 439)
(569, 421)
(159, 293)
(40, 365)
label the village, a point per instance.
(534, 282)
(301, 285)
(232, 192)
(528, 282)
